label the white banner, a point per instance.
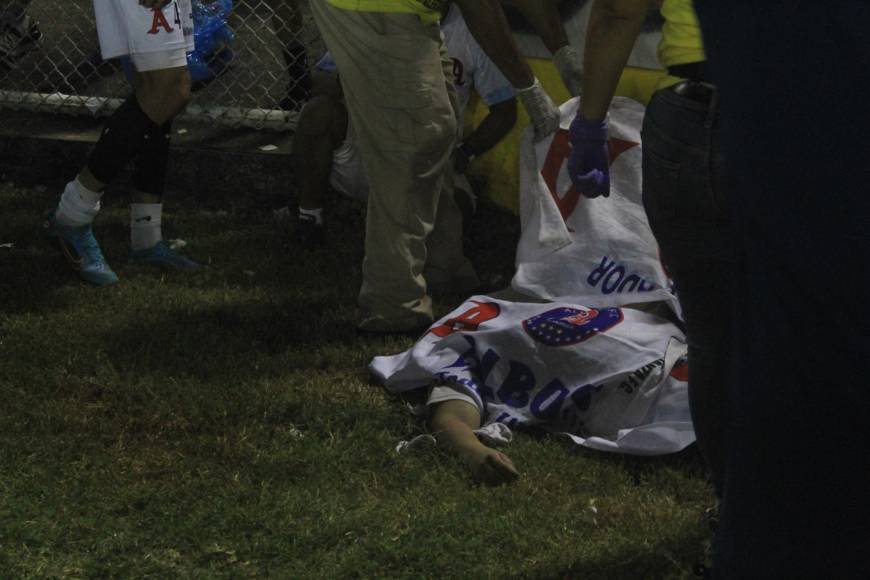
(609, 378)
(595, 252)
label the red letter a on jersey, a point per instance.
(159, 22)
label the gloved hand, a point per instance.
(589, 163)
(540, 107)
(570, 66)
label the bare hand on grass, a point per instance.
(492, 467)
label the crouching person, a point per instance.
(325, 152)
(156, 34)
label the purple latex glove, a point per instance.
(589, 163)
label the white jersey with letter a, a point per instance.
(126, 28)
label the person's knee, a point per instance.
(178, 90)
(321, 115)
(184, 88)
(167, 90)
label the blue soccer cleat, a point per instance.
(80, 248)
(162, 255)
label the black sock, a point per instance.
(149, 166)
(120, 141)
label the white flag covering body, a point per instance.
(610, 378)
(596, 252)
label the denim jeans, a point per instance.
(684, 198)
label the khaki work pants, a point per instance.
(396, 79)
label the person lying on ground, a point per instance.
(611, 379)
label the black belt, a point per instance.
(693, 71)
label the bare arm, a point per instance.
(453, 424)
(488, 25)
(544, 17)
(613, 29)
(501, 119)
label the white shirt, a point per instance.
(472, 68)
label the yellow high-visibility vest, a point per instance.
(681, 38)
(429, 10)
(681, 34)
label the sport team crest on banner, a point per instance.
(566, 326)
(595, 252)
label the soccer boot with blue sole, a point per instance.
(81, 250)
(165, 257)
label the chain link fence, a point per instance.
(254, 75)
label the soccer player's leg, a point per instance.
(140, 118)
(163, 93)
(288, 28)
(162, 82)
(321, 130)
(69, 224)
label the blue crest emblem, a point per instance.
(567, 326)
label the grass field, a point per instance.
(223, 425)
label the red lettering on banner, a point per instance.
(470, 320)
(681, 371)
(159, 22)
(558, 154)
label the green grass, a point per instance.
(223, 425)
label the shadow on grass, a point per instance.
(228, 340)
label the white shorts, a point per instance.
(154, 39)
(443, 393)
(348, 175)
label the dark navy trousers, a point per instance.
(794, 83)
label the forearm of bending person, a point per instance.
(498, 123)
(544, 17)
(488, 25)
(613, 29)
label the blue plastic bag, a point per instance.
(213, 36)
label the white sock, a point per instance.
(78, 205)
(309, 214)
(145, 230)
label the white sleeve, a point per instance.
(489, 82)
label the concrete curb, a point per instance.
(211, 165)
